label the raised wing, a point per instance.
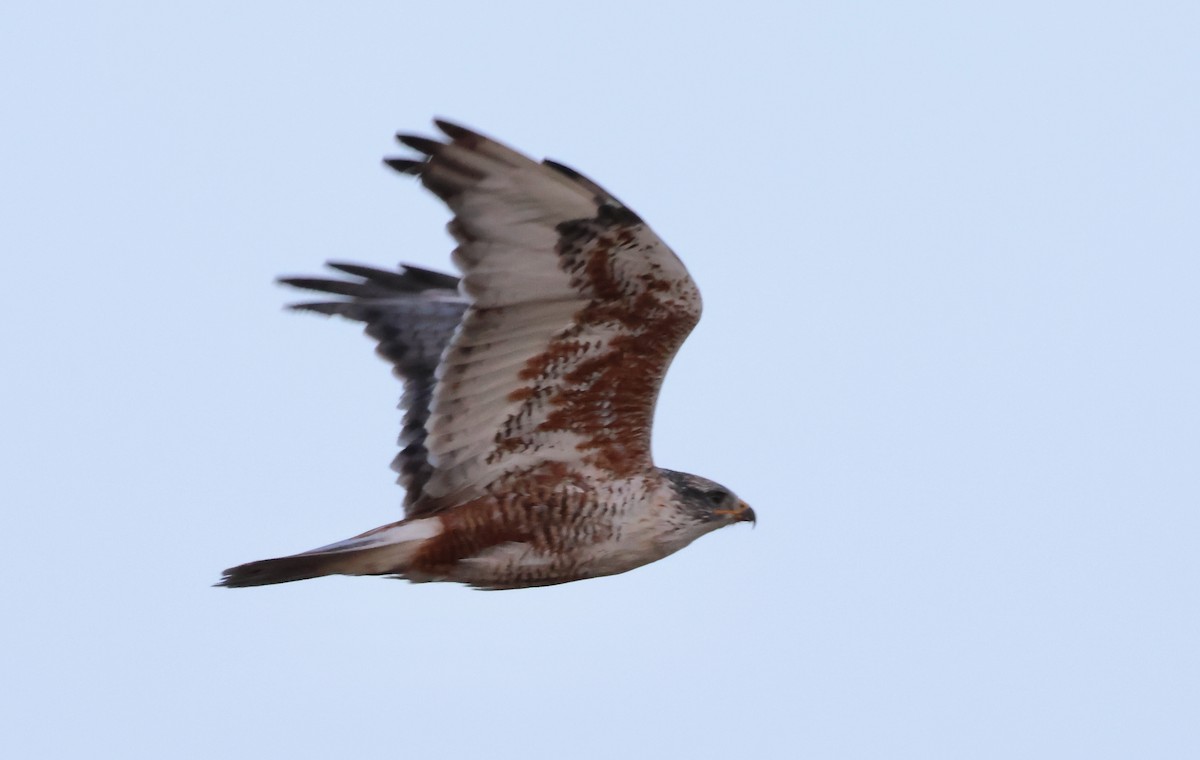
(576, 310)
(411, 313)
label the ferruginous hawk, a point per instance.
(529, 384)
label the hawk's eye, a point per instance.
(716, 497)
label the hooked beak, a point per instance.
(743, 513)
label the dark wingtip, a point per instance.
(370, 284)
(404, 165)
(372, 274)
(455, 131)
(420, 144)
(312, 283)
(408, 279)
(562, 168)
(326, 308)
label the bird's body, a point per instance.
(529, 386)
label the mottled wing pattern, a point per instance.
(576, 310)
(412, 314)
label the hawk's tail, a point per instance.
(388, 550)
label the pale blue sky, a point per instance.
(950, 254)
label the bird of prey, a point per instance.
(529, 384)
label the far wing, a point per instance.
(576, 310)
(411, 313)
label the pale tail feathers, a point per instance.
(384, 551)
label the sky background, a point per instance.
(950, 255)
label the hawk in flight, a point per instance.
(529, 384)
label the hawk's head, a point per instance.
(705, 504)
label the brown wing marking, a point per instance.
(577, 309)
(607, 397)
